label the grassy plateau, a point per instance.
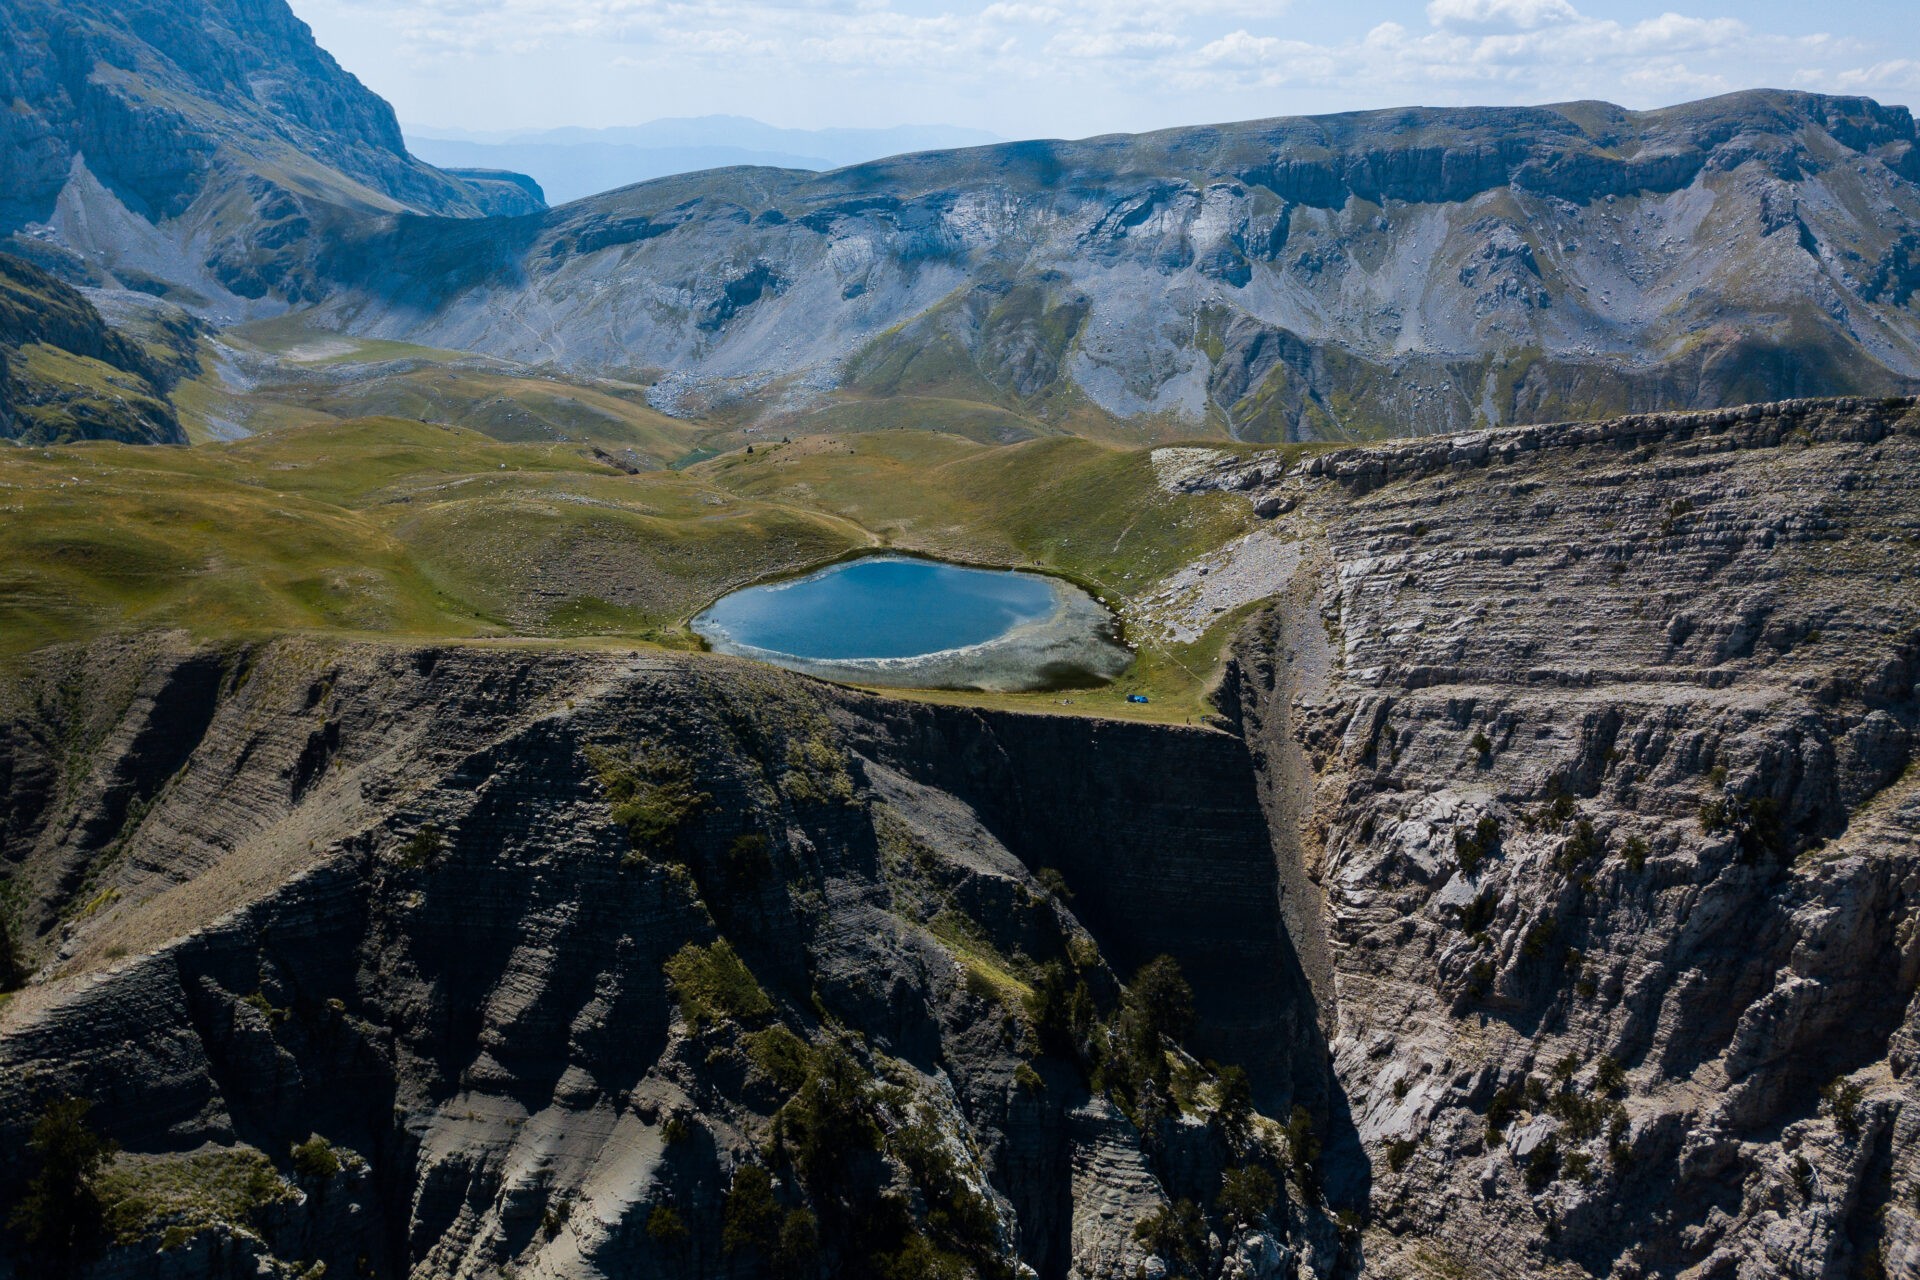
(396, 491)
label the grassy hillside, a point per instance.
(1089, 510)
(394, 527)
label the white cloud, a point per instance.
(1526, 14)
(1895, 73)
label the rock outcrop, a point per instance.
(1608, 788)
(380, 895)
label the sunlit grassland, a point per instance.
(397, 528)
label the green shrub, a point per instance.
(1635, 852)
(1609, 1077)
(274, 1016)
(751, 1218)
(1161, 999)
(1578, 847)
(554, 1219)
(1247, 1196)
(1177, 1235)
(1054, 883)
(712, 983)
(1501, 1109)
(652, 795)
(1063, 1017)
(1581, 1113)
(1303, 1146)
(1470, 848)
(1399, 1151)
(1233, 1116)
(828, 1119)
(315, 1159)
(1843, 1098)
(799, 1239)
(1478, 914)
(422, 847)
(1482, 745)
(1029, 1080)
(1755, 824)
(1543, 1165)
(1539, 936)
(13, 967)
(184, 1195)
(958, 1217)
(1715, 815)
(781, 1057)
(816, 773)
(665, 1226)
(1619, 1150)
(748, 861)
(59, 1215)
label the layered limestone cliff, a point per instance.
(194, 151)
(1558, 859)
(1608, 790)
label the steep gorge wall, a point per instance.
(1161, 838)
(1614, 811)
(248, 938)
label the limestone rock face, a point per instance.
(198, 151)
(1608, 793)
(378, 894)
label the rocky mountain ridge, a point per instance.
(1394, 272)
(1558, 855)
(177, 153)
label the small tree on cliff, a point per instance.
(58, 1220)
(13, 970)
(1161, 999)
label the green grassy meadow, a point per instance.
(399, 491)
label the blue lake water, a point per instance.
(880, 607)
(891, 620)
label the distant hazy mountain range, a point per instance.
(572, 163)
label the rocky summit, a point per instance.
(179, 153)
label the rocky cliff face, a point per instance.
(1609, 793)
(1560, 867)
(186, 151)
(1385, 273)
(311, 904)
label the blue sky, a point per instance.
(1069, 68)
